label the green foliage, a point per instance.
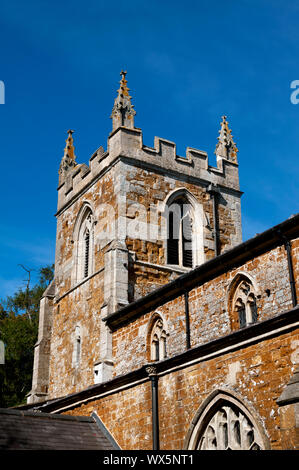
(18, 331)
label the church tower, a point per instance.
(133, 219)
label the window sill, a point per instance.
(178, 268)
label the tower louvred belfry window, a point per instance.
(179, 243)
(85, 245)
(173, 241)
(187, 240)
(86, 254)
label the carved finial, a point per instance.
(68, 161)
(123, 112)
(69, 148)
(226, 147)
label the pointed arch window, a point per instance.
(84, 238)
(224, 422)
(229, 429)
(158, 337)
(243, 303)
(86, 253)
(179, 242)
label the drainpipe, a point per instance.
(213, 190)
(291, 273)
(152, 373)
(287, 245)
(188, 342)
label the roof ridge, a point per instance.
(42, 414)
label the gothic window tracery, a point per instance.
(245, 303)
(224, 422)
(179, 243)
(242, 302)
(158, 341)
(85, 245)
(229, 429)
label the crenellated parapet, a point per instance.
(127, 144)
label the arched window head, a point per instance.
(242, 303)
(180, 233)
(229, 429)
(157, 340)
(223, 422)
(183, 231)
(84, 248)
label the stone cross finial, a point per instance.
(123, 112)
(226, 147)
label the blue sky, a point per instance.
(188, 63)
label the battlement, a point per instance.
(127, 144)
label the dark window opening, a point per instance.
(179, 243)
(187, 241)
(242, 314)
(173, 243)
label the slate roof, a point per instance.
(34, 430)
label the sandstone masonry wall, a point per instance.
(121, 187)
(210, 316)
(256, 373)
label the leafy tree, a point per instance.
(18, 331)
